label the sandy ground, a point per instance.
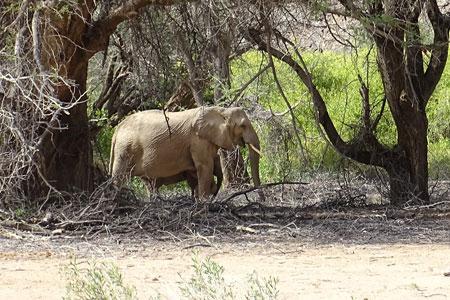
(375, 271)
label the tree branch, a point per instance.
(414, 71)
(439, 54)
(281, 91)
(18, 20)
(364, 91)
(356, 151)
(98, 36)
(37, 36)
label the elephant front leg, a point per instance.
(205, 177)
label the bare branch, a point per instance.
(364, 91)
(245, 85)
(98, 35)
(106, 84)
(37, 37)
(439, 54)
(283, 95)
(261, 187)
(22, 10)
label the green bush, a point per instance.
(96, 280)
(439, 159)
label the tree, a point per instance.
(58, 38)
(410, 67)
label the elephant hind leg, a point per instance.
(192, 180)
(121, 170)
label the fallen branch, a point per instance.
(263, 186)
(417, 207)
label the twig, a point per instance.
(288, 110)
(245, 85)
(197, 245)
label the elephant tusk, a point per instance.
(255, 149)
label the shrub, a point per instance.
(96, 280)
(103, 281)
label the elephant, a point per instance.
(157, 144)
(191, 178)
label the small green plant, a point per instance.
(262, 289)
(208, 283)
(96, 280)
(21, 213)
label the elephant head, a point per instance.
(227, 128)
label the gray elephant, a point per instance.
(152, 144)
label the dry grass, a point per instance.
(320, 212)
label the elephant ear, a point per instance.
(211, 125)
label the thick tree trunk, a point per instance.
(66, 153)
(409, 172)
(67, 158)
(403, 87)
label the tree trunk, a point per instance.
(61, 47)
(403, 86)
(409, 172)
(67, 158)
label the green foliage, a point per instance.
(138, 186)
(104, 281)
(438, 110)
(260, 290)
(96, 280)
(439, 159)
(22, 213)
(289, 154)
(103, 143)
(208, 283)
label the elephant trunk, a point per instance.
(251, 138)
